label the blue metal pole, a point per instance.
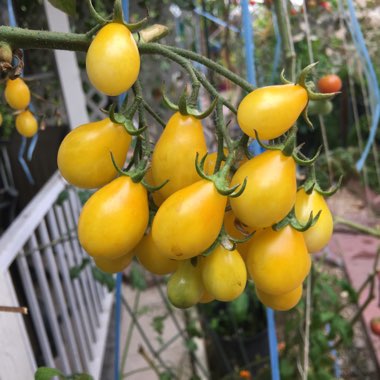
(251, 76)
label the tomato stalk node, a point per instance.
(292, 220)
(311, 184)
(126, 121)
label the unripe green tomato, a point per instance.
(271, 110)
(317, 236)
(185, 287)
(113, 60)
(84, 156)
(26, 124)
(17, 94)
(114, 219)
(319, 107)
(282, 302)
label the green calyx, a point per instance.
(185, 106)
(292, 220)
(118, 16)
(126, 120)
(311, 184)
(220, 178)
(288, 148)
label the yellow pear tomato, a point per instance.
(270, 192)
(317, 236)
(17, 94)
(114, 219)
(174, 154)
(113, 60)
(278, 261)
(280, 302)
(189, 221)
(26, 124)
(113, 266)
(271, 110)
(84, 156)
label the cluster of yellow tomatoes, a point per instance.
(209, 241)
(17, 96)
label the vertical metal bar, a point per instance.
(51, 313)
(85, 324)
(63, 264)
(35, 310)
(55, 279)
(83, 277)
(272, 344)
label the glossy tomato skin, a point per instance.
(271, 110)
(270, 192)
(84, 156)
(17, 94)
(317, 236)
(185, 287)
(174, 154)
(114, 266)
(282, 302)
(113, 60)
(329, 83)
(114, 219)
(189, 221)
(224, 274)
(26, 124)
(150, 258)
(278, 261)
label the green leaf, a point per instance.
(191, 345)
(158, 323)
(287, 368)
(63, 195)
(165, 376)
(82, 376)
(105, 279)
(67, 6)
(239, 307)
(137, 278)
(46, 373)
(76, 270)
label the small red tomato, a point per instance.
(375, 325)
(330, 83)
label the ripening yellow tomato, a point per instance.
(224, 274)
(189, 221)
(114, 219)
(1, 119)
(84, 156)
(206, 297)
(270, 192)
(113, 266)
(17, 94)
(174, 154)
(271, 110)
(281, 302)
(113, 60)
(151, 259)
(278, 261)
(185, 287)
(26, 124)
(317, 236)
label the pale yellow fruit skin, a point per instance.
(17, 94)
(1, 119)
(114, 266)
(224, 274)
(281, 302)
(26, 124)
(114, 219)
(113, 60)
(317, 236)
(84, 156)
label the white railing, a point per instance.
(69, 316)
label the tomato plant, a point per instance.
(114, 219)
(84, 156)
(113, 60)
(329, 83)
(17, 94)
(271, 110)
(26, 124)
